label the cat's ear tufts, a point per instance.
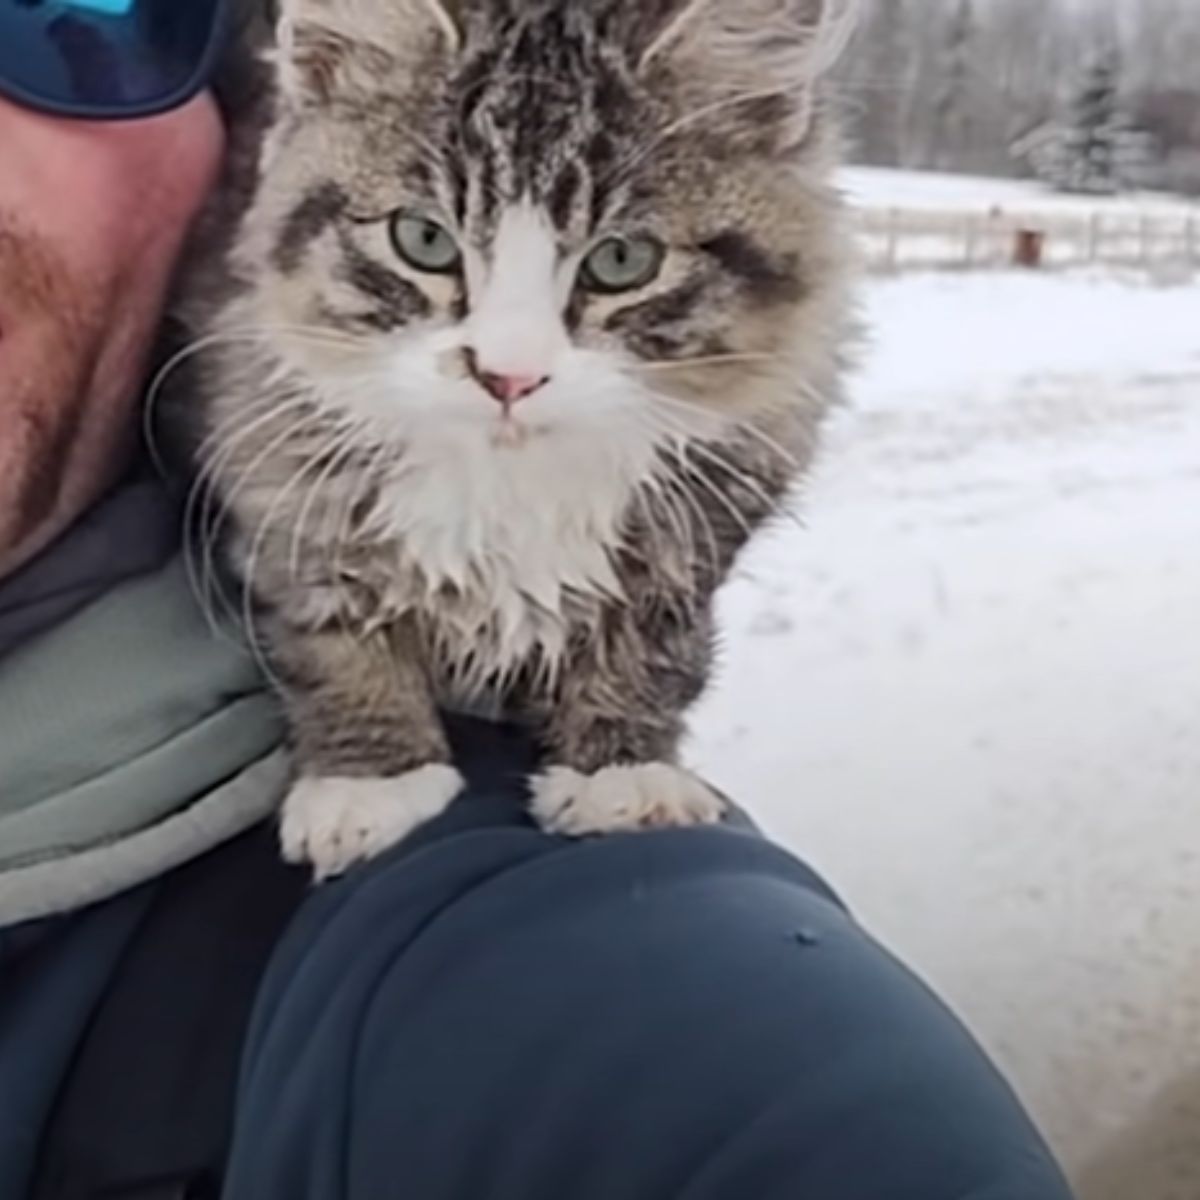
(331, 49)
(723, 50)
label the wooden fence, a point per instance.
(900, 239)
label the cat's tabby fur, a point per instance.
(407, 541)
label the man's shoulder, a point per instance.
(689, 1013)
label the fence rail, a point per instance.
(897, 239)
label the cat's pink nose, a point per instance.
(508, 389)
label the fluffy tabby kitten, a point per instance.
(528, 325)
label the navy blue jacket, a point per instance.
(492, 1014)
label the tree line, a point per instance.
(961, 85)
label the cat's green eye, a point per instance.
(623, 264)
(424, 244)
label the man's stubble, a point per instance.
(49, 333)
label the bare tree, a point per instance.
(879, 82)
(952, 84)
(953, 103)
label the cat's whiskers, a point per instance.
(204, 511)
(267, 405)
(668, 483)
(219, 451)
(345, 445)
(746, 425)
(159, 381)
(314, 408)
(691, 471)
(219, 500)
(683, 440)
(317, 408)
(266, 525)
(337, 535)
(708, 451)
(673, 497)
(313, 334)
(341, 535)
(365, 634)
(216, 508)
(650, 497)
(217, 448)
(677, 487)
(770, 505)
(790, 460)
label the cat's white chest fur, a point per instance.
(496, 527)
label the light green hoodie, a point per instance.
(133, 737)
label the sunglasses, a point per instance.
(108, 59)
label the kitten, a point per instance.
(528, 325)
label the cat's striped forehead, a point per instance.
(547, 110)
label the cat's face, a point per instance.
(608, 218)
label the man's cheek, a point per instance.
(124, 205)
(171, 168)
(42, 391)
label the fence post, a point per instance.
(1095, 230)
(891, 254)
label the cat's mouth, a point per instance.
(513, 429)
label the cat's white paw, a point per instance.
(334, 823)
(622, 799)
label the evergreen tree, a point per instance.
(1095, 150)
(1090, 136)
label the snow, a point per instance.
(880, 187)
(968, 688)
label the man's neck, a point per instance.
(131, 532)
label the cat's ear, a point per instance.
(719, 50)
(326, 49)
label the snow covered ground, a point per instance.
(916, 219)
(969, 690)
(880, 187)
